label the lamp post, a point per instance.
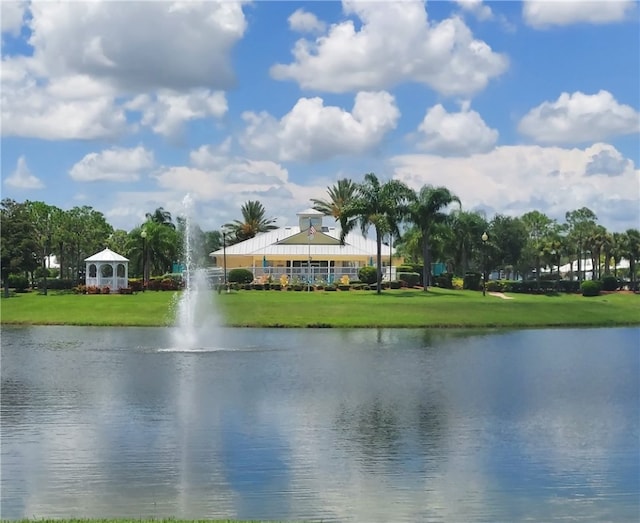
(144, 259)
(484, 263)
(224, 259)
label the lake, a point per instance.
(335, 425)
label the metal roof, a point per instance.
(106, 256)
(265, 244)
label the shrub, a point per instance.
(135, 284)
(457, 283)
(276, 286)
(610, 283)
(590, 288)
(19, 283)
(240, 276)
(106, 289)
(395, 284)
(125, 290)
(246, 286)
(568, 285)
(495, 286)
(56, 285)
(80, 289)
(358, 286)
(346, 287)
(412, 279)
(92, 289)
(330, 288)
(472, 281)
(444, 280)
(368, 274)
(257, 286)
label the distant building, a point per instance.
(309, 251)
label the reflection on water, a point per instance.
(338, 425)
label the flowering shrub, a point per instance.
(284, 280)
(457, 283)
(344, 280)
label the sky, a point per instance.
(129, 106)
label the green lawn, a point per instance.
(396, 308)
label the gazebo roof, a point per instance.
(106, 256)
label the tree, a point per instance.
(161, 217)
(41, 217)
(379, 204)
(631, 249)
(466, 238)
(426, 213)
(539, 227)
(16, 243)
(580, 222)
(253, 221)
(340, 195)
(508, 237)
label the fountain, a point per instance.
(196, 317)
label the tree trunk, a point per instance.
(5, 283)
(378, 262)
(426, 268)
(45, 270)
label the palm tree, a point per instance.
(253, 221)
(467, 228)
(426, 213)
(631, 250)
(161, 216)
(381, 205)
(340, 195)
(617, 250)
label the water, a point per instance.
(196, 317)
(334, 425)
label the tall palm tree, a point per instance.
(340, 195)
(426, 213)
(467, 228)
(253, 221)
(617, 250)
(631, 249)
(382, 205)
(161, 216)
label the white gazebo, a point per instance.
(107, 268)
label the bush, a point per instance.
(330, 288)
(444, 280)
(412, 279)
(56, 285)
(495, 286)
(472, 281)
(395, 284)
(19, 283)
(106, 289)
(240, 276)
(135, 284)
(610, 283)
(590, 288)
(457, 283)
(257, 286)
(368, 274)
(80, 289)
(568, 286)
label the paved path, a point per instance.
(500, 295)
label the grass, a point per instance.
(399, 308)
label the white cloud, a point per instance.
(305, 22)
(516, 179)
(395, 44)
(114, 165)
(72, 107)
(544, 13)
(168, 111)
(22, 178)
(313, 131)
(133, 48)
(455, 134)
(11, 16)
(578, 118)
(481, 11)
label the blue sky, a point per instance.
(514, 106)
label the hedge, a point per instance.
(412, 279)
